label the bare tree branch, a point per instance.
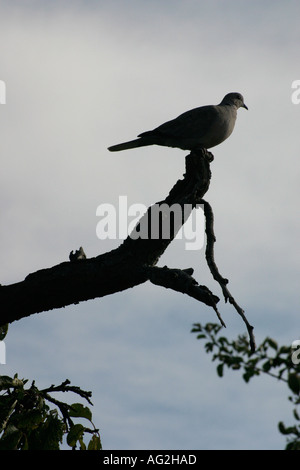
(132, 263)
(182, 281)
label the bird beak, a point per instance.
(244, 106)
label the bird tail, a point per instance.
(130, 145)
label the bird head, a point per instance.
(234, 99)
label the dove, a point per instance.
(203, 127)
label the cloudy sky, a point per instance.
(83, 75)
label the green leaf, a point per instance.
(273, 344)
(11, 438)
(95, 443)
(196, 327)
(282, 428)
(249, 373)
(294, 383)
(287, 430)
(296, 415)
(77, 410)
(220, 370)
(284, 350)
(212, 327)
(6, 382)
(293, 445)
(267, 365)
(223, 340)
(82, 444)
(201, 336)
(75, 434)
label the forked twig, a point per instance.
(209, 254)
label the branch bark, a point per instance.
(132, 263)
(209, 254)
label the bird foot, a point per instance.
(202, 152)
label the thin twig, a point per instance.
(209, 253)
(65, 387)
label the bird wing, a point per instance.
(197, 121)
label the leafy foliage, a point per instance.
(28, 422)
(279, 362)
